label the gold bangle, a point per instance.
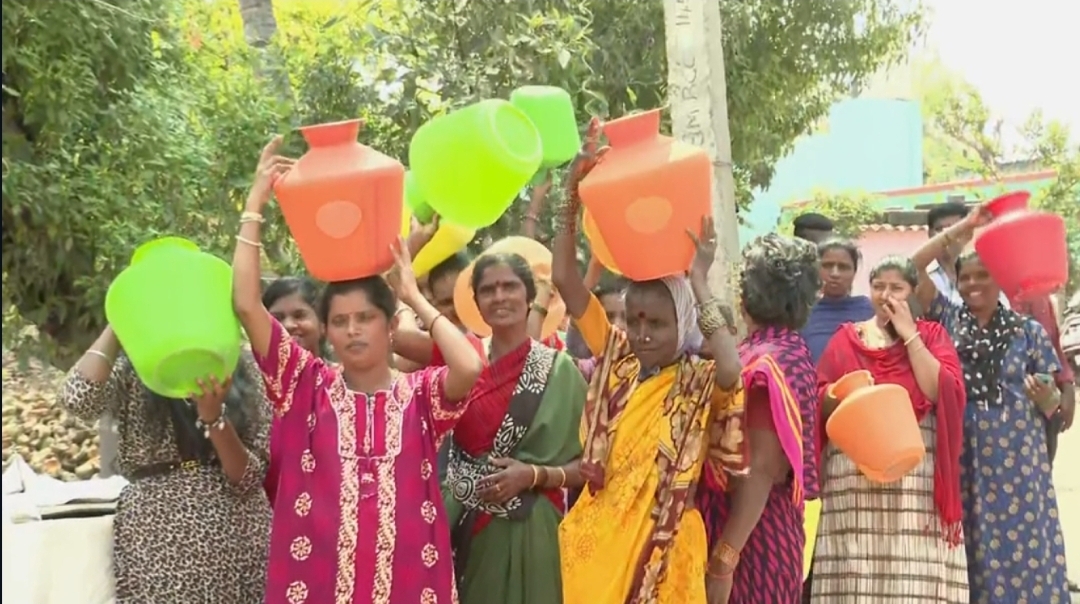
(251, 217)
(536, 475)
(911, 339)
(562, 477)
(726, 555)
(248, 241)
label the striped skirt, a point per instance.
(879, 542)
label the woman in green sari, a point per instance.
(512, 450)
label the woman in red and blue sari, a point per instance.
(755, 523)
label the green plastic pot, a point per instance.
(470, 164)
(415, 200)
(552, 112)
(171, 309)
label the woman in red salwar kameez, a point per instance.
(358, 515)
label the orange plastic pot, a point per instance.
(596, 243)
(1024, 250)
(876, 428)
(342, 203)
(539, 259)
(849, 383)
(644, 196)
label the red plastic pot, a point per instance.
(1024, 250)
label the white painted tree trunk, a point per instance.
(697, 93)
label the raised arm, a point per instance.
(958, 234)
(539, 310)
(564, 268)
(97, 381)
(711, 319)
(244, 456)
(462, 363)
(536, 205)
(247, 284)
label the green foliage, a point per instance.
(124, 119)
(963, 141)
(849, 211)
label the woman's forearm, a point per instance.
(721, 343)
(567, 476)
(462, 363)
(927, 369)
(247, 284)
(231, 452)
(534, 325)
(748, 501)
(97, 362)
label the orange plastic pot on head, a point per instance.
(596, 243)
(644, 196)
(539, 259)
(342, 203)
(876, 428)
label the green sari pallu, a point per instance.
(509, 553)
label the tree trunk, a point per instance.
(697, 92)
(260, 26)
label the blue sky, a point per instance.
(1020, 55)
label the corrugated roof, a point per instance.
(1009, 179)
(891, 227)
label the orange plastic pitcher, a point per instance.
(343, 203)
(1024, 250)
(539, 259)
(645, 194)
(596, 243)
(876, 428)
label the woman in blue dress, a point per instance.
(1015, 548)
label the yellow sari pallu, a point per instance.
(633, 537)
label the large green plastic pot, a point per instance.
(552, 111)
(171, 310)
(471, 163)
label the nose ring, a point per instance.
(648, 339)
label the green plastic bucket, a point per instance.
(171, 310)
(552, 111)
(471, 163)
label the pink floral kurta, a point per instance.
(358, 516)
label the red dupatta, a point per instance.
(847, 352)
(489, 400)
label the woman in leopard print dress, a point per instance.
(193, 525)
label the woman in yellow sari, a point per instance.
(656, 415)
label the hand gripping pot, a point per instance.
(172, 312)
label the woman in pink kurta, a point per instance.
(358, 516)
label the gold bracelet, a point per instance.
(911, 339)
(710, 318)
(251, 217)
(248, 241)
(562, 477)
(536, 475)
(726, 555)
